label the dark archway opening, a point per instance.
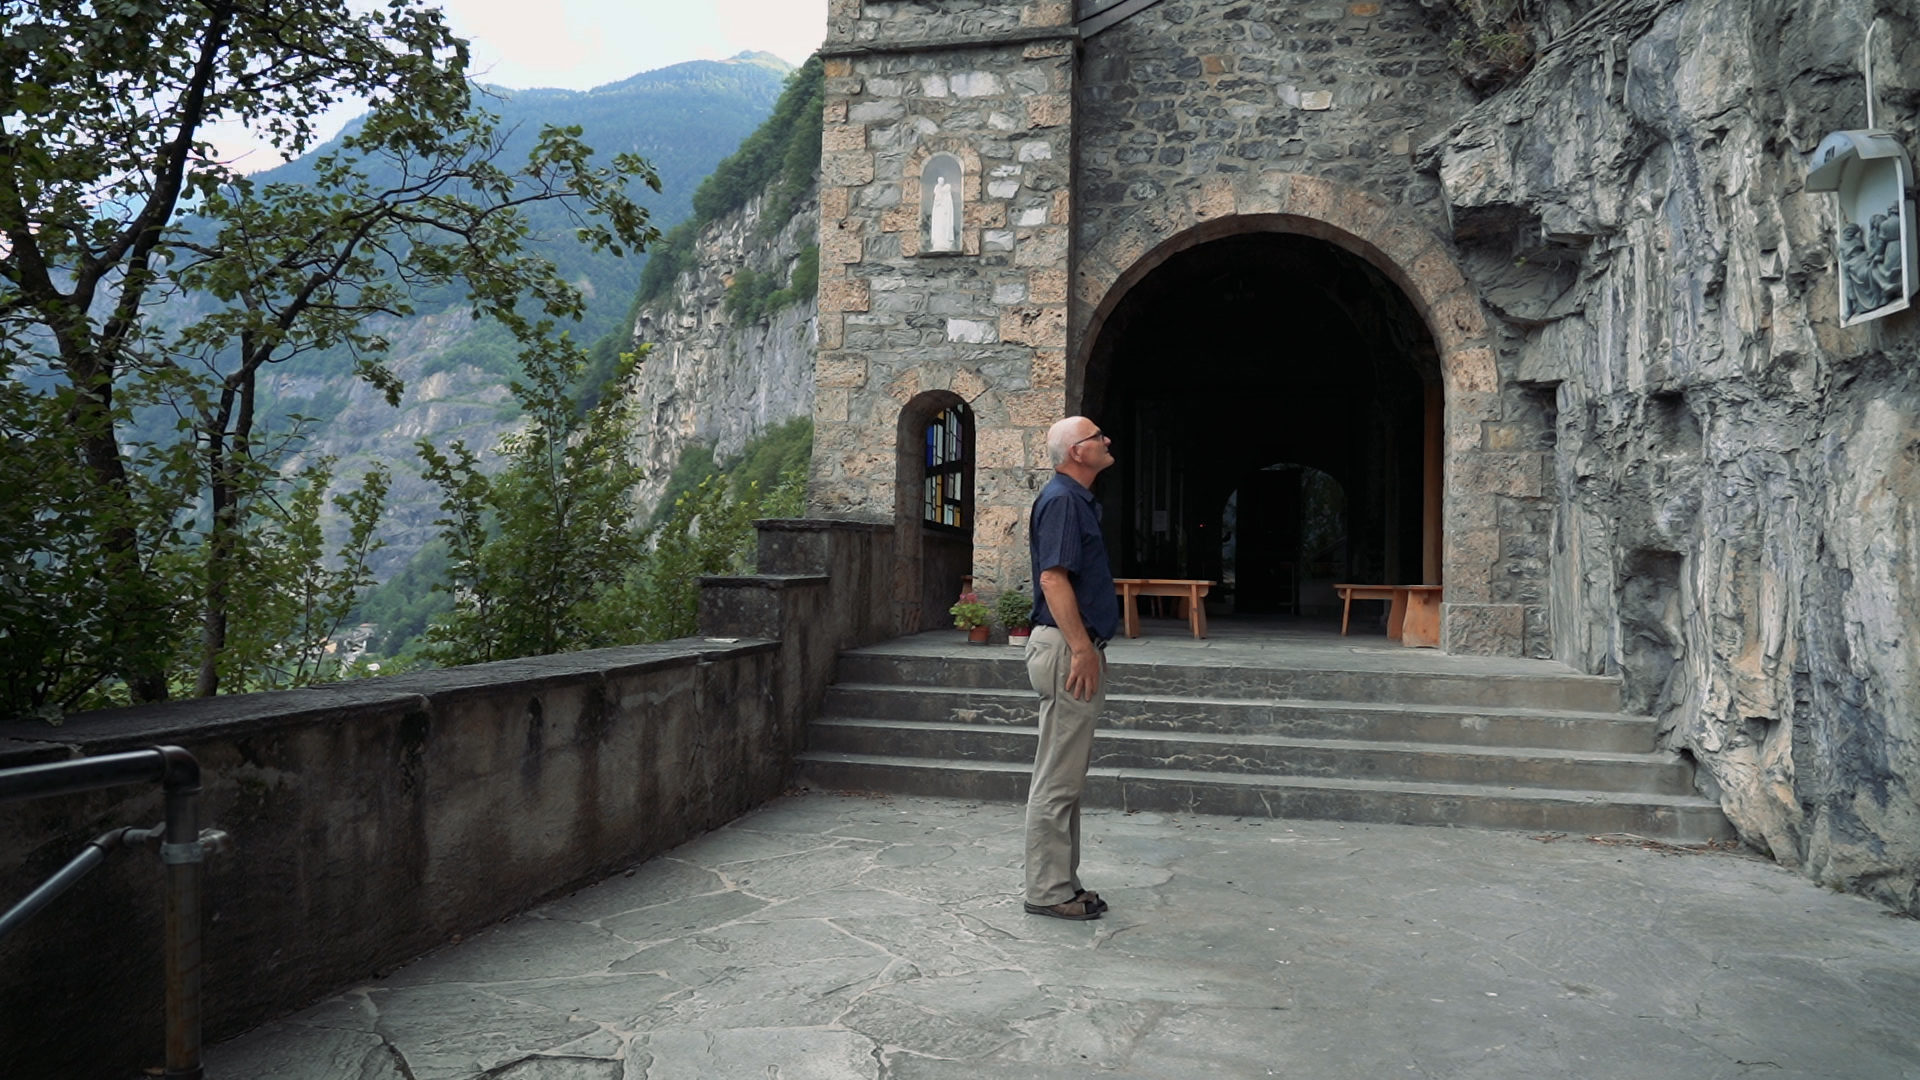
(1254, 386)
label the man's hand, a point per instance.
(1083, 674)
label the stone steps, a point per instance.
(1298, 717)
(1414, 738)
(1276, 755)
(1568, 691)
(1672, 818)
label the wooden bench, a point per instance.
(1413, 611)
(1187, 593)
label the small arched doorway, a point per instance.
(1255, 374)
(934, 507)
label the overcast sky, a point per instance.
(581, 44)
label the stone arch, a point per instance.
(1409, 255)
(928, 555)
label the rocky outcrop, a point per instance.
(709, 378)
(446, 399)
(1738, 509)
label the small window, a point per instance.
(949, 481)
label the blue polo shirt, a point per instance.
(1064, 531)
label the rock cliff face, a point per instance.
(1737, 528)
(713, 380)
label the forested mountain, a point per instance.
(684, 119)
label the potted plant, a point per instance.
(971, 615)
(1015, 610)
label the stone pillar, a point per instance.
(910, 95)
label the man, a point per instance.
(1074, 614)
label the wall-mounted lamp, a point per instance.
(1870, 177)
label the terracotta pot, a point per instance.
(1018, 641)
(978, 635)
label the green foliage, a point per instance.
(546, 556)
(775, 462)
(403, 605)
(969, 612)
(294, 600)
(533, 547)
(1013, 609)
(751, 296)
(781, 158)
(1494, 43)
(142, 277)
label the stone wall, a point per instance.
(1201, 119)
(898, 321)
(1195, 88)
(1737, 528)
(372, 821)
(709, 379)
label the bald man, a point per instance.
(1074, 614)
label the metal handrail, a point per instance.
(182, 851)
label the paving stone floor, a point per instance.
(829, 936)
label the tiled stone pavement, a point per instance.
(829, 936)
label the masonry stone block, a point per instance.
(841, 369)
(845, 295)
(1472, 371)
(844, 137)
(835, 203)
(829, 405)
(1034, 408)
(967, 384)
(1037, 326)
(1049, 110)
(1436, 273)
(1049, 370)
(1047, 286)
(840, 242)
(906, 386)
(972, 331)
(846, 168)
(1482, 629)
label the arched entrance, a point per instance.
(1235, 372)
(934, 506)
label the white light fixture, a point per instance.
(1870, 177)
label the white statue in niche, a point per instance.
(941, 235)
(941, 212)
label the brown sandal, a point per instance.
(1091, 899)
(1077, 910)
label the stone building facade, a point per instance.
(1569, 344)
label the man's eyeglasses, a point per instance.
(1095, 435)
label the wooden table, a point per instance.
(1187, 592)
(1413, 612)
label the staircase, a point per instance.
(1332, 732)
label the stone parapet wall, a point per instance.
(1733, 474)
(371, 821)
(985, 324)
(374, 820)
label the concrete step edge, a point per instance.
(1518, 712)
(1255, 780)
(1651, 757)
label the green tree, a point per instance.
(534, 546)
(117, 216)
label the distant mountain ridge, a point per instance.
(683, 118)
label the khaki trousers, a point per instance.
(1059, 769)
